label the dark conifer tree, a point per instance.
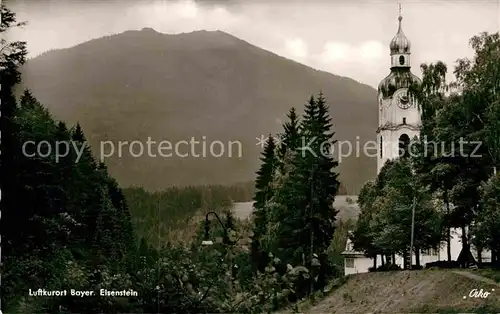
(290, 138)
(12, 55)
(324, 180)
(305, 216)
(263, 193)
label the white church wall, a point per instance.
(395, 59)
(401, 121)
(359, 264)
(391, 113)
(355, 264)
(390, 143)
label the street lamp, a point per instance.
(412, 229)
(206, 240)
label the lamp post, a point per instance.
(413, 207)
(226, 240)
(412, 230)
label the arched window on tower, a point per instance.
(404, 145)
(381, 145)
(401, 60)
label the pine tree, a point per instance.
(290, 138)
(303, 213)
(263, 193)
(121, 221)
(323, 181)
(285, 236)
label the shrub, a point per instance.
(386, 267)
(443, 264)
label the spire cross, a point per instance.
(399, 17)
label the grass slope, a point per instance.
(425, 291)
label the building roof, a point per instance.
(400, 44)
(349, 250)
(398, 78)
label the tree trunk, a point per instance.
(405, 256)
(464, 246)
(231, 271)
(448, 229)
(382, 259)
(393, 259)
(448, 244)
(494, 257)
(480, 257)
(375, 262)
(417, 256)
(497, 258)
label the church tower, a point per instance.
(398, 115)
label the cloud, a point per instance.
(334, 41)
(183, 16)
(297, 48)
(366, 52)
(335, 51)
(186, 9)
(371, 50)
(367, 60)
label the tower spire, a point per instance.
(400, 17)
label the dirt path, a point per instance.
(405, 292)
(476, 277)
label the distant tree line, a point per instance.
(174, 214)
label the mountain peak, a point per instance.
(192, 85)
(148, 29)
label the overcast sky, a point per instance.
(348, 38)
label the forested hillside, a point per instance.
(208, 85)
(174, 214)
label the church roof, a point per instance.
(398, 78)
(400, 44)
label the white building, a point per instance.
(399, 122)
(356, 262)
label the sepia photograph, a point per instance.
(249, 156)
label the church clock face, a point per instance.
(402, 100)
